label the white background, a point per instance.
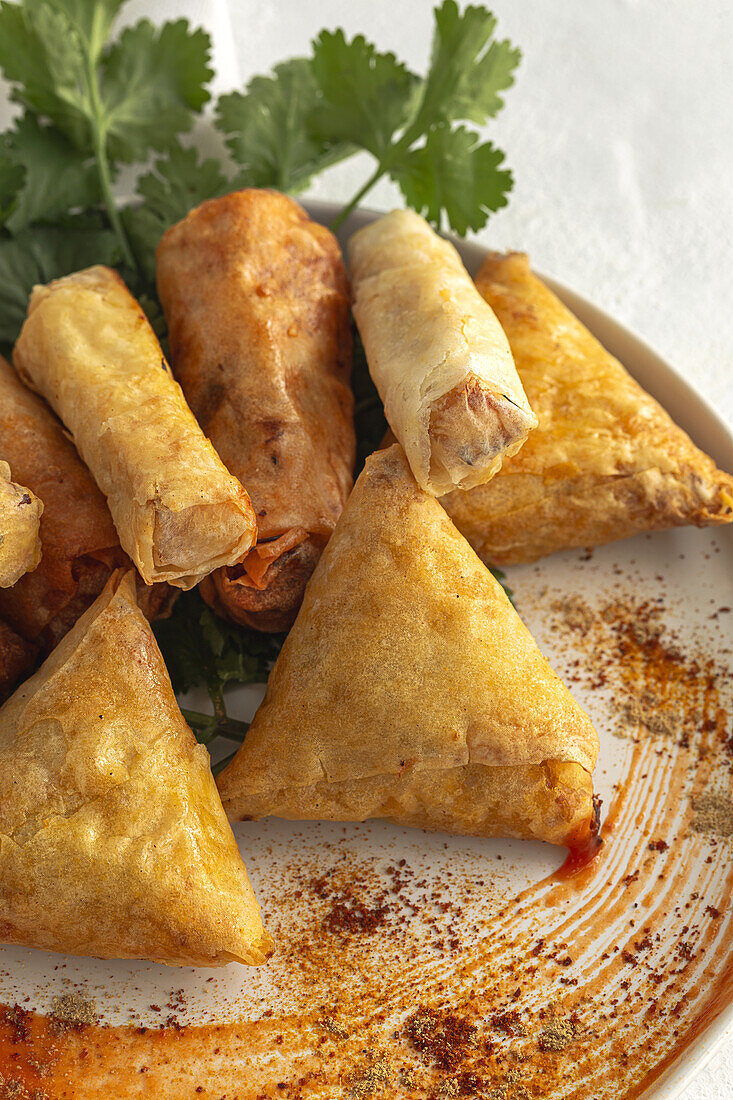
(620, 135)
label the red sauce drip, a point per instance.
(578, 859)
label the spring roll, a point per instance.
(606, 461)
(87, 346)
(113, 841)
(409, 689)
(20, 518)
(80, 544)
(256, 299)
(437, 353)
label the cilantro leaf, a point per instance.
(368, 94)
(12, 176)
(369, 419)
(41, 253)
(500, 576)
(42, 56)
(267, 129)
(200, 648)
(55, 178)
(177, 183)
(151, 83)
(115, 102)
(407, 124)
(453, 173)
(464, 82)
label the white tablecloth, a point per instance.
(619, 135)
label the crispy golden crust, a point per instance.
(88, 347)
(113, 841)
(606, 460)
(20, 518)
(17, 657)
(427, 699)
(80, 544)
(437, 354)
(257, 303)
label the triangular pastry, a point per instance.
(113, 841)
(409, 689)
(20, 518)
(606, 460)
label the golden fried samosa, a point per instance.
(113, 841)
(606, 460)
(20, 518)
(257, 303)
(88, 347)
(437, 354)
(409, 689)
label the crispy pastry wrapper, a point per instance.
(409, 689)
(257, 303)
(437, 354)
(605, 462)
(80, 544)
(87, 346)
(20, 519)
(113, 841)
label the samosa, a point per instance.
(409, 689)
(606, 460)
(113, 841)
(20, 518)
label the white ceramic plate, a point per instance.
(465, 888)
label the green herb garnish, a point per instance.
(95, 102)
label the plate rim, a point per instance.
(687, 406)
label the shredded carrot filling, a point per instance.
(262, 556)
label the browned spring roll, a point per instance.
(79, 541)
(256, 299)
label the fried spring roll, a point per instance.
(20, 517)
(80, 544)
(87, 346)
(437, 354)
(256, 299)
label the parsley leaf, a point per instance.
(40, 253)
(368, 94)
(199, 648)
(369, 419)
(373, 102)
(465, 77)
(177, 183)
(152, 82)
(452, 172)
(114, 103)
(267, 131)
(12, 176)
(500, 576)
(55, 178)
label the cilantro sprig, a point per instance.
(95, 102)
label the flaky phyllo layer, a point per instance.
(606, 460)
(410, 689)
(113, 841)
(87, 346)
(437, 354)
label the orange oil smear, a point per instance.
(591, 982)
